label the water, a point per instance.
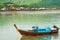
(26, 21)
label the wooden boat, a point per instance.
(34, 33)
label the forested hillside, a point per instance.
(33, 3)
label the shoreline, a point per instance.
(30, 12)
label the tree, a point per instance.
(2, 6)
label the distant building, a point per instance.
(3, 9)
(9, 6)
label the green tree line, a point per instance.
(32, 3)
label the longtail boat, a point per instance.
(34, 33)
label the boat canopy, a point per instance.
(41, 29)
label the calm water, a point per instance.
(26, 21)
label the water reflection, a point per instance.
(45, 37)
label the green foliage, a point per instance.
(2, 5)
(24, 6)
(33, 3)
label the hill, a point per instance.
(34, 3)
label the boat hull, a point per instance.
(35, 33)
(22, 32)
